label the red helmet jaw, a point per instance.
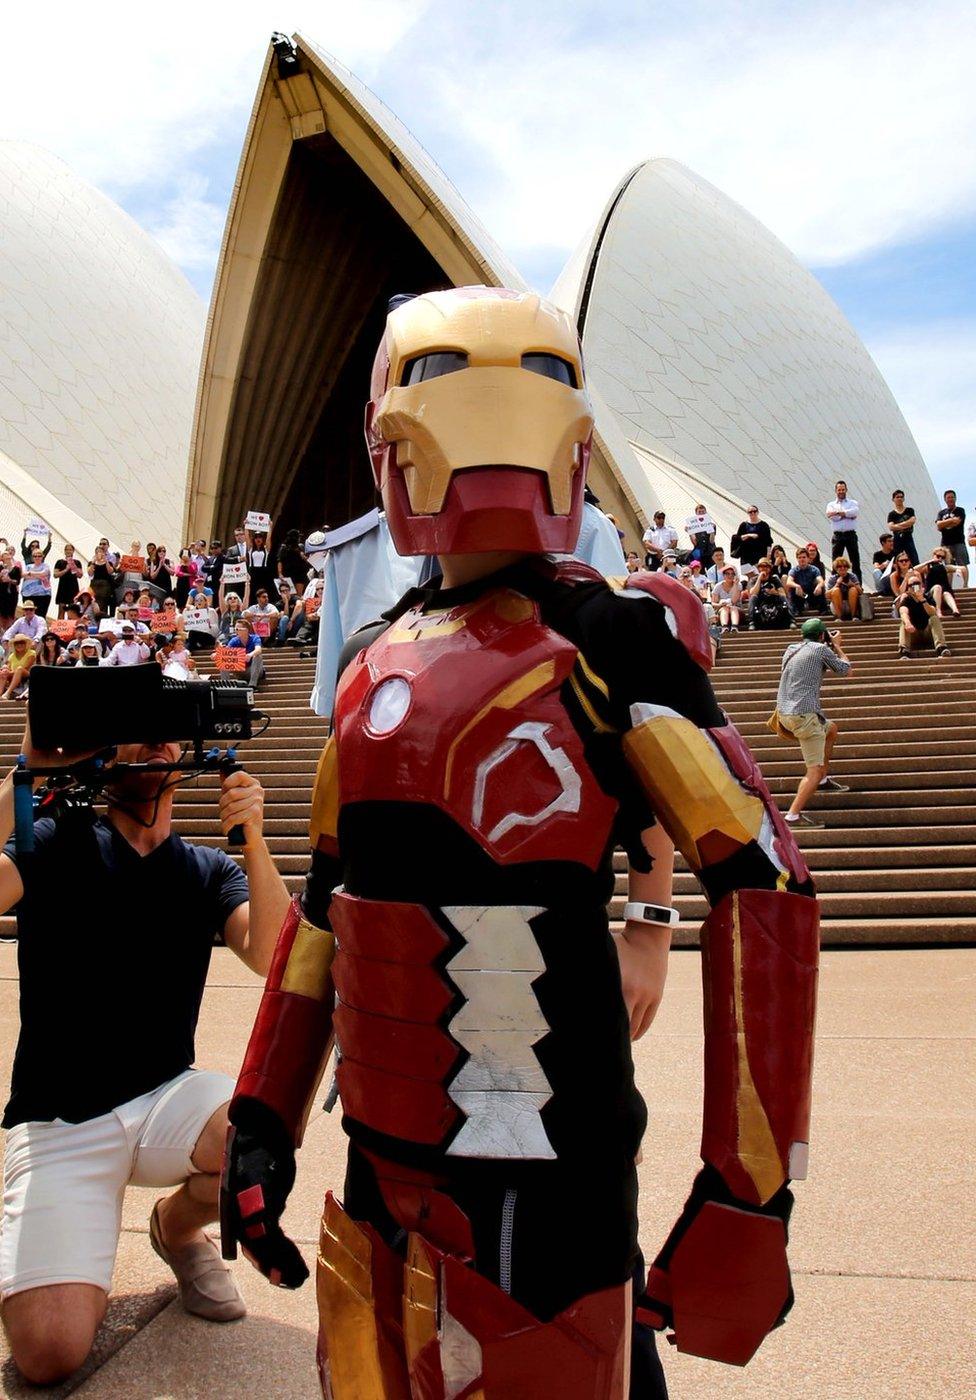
(486, 509)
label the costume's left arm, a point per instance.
(722, 1279)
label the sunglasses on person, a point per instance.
(842, 568)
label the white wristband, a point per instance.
(650, 914)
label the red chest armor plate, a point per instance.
(461, 709)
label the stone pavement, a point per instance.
(883, 1237)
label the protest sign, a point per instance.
(312, 606)
(258, 521)
(230, 658)
(110, 624)
(62, 627)
(132, 564)
(36, 527)
(195, 617)
(261, 626)
(234, 572)
(163, 621)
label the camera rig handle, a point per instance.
(23, 805)
(229, 764)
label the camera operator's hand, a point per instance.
(50, 758)
(242, 804)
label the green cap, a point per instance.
(813, 627)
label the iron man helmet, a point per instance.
(479, 426)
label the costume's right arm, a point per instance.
(292, 1036)
(286, 1056)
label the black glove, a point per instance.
(258, 1174)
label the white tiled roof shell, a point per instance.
(100, 338)
(718, 350)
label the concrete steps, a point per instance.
(893, 862)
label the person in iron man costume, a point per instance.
(494, 739)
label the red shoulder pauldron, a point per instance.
(686, 616)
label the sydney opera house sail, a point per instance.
(100, 338)
(336, 208)
(731, 372)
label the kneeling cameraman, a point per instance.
(103, 1094)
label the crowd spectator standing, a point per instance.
(902, 521)
(37, 581)
(103, 572)
(10, 578)
(292, 564)
(67, 571)
(798, 713)
(842, 512)
(658, 540)
(752, 541)
(951, 525)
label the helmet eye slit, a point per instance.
(423, 367)
(551, 367)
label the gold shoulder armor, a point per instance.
(325, 796)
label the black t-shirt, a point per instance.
(916, 610)
(895, 517)
(751, 551)
(955, 534)
(586, 1054)
(110, 985)
(938, 575)
(880, 560)
(10, 591)
(293, 563)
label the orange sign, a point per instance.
(62, 627)
(230, 658)
(162, 621)
(132, 564)
(312, 606)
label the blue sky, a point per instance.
(849, 131)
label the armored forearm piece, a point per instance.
(292, 1035)
(759, 974)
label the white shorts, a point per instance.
(63, 1183)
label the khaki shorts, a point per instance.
(63, 1183)
(811, 733)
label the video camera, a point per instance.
(80, 708)
(91, 711)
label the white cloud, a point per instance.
(837, 126)
(931, 370)
(132, 96)
(189, 226)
